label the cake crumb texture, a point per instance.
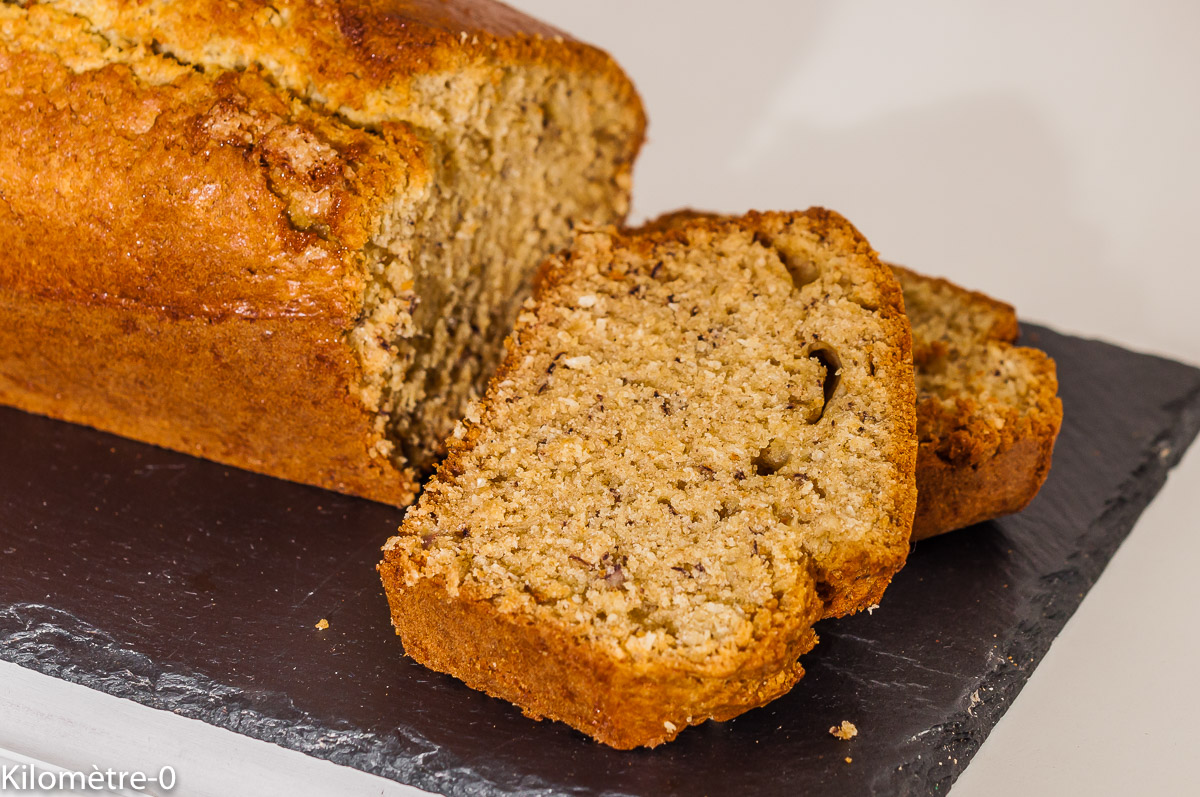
(702, 441)
(988, 412)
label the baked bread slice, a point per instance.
(288, 236)
(701, 442)
(987, 411)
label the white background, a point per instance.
(1048, 153)
(1045, 152)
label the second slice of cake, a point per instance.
(702, 442)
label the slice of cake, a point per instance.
(987, 411)
(701, 442)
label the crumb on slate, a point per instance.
(322, 624)
(846, 731)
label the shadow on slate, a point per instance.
(195, 588)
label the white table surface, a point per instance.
(1047, 153)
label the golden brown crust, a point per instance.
(969, 469)
(349, 47)
(677, 218)
(175, 253)
(170, 230)
(1004, 484)
(552, 673)
(346, 54)
(193, 163)
(973, 475)
(204, 387)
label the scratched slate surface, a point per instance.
(193, 587)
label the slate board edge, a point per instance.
(85, 655)
(57, 644)
(945, 750)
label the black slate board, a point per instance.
(193, 587)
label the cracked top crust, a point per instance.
(291, 119)
(209, 156)
(364, 58)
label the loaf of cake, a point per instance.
(702, 441)
(988, 412)
(288, 236)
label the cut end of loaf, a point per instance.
(702, 442)
(533, 155)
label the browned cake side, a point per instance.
(987, 411)
(288, 236)
(702, 441)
